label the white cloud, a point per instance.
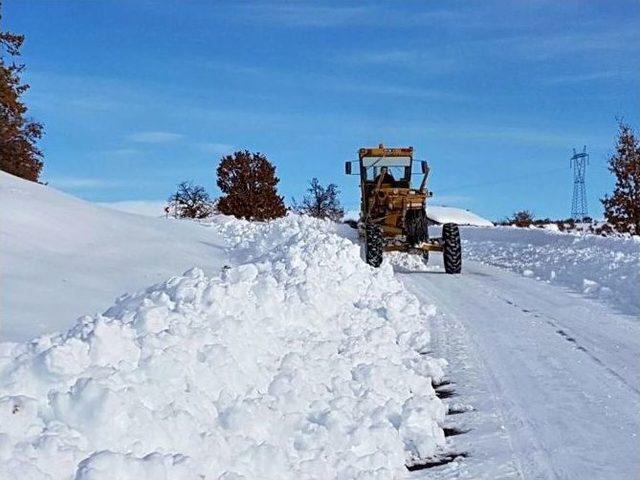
(417, 60)
(535, 47)
(389, 56)
(585, 77)
(396, 91)
(300, 14)
(305, 15)
(155, 137)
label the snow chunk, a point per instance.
(108, 465)
(112, 343)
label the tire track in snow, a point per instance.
(566, 416)
(553, 322)
(451, 340)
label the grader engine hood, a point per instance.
(400, 198)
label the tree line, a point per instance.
(248, 183)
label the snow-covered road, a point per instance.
(553, 377)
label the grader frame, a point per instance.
(392, 212)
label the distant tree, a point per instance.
(541, 222)
(321, 202)
(622, 208)
(189, 201)
(523, 218)
(249, 183)
(604, 230)
(19, 154)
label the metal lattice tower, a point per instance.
(579, 163)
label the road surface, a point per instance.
(553, 378)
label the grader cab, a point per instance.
(393, 212)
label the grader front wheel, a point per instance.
(452, 250)
(373, 245)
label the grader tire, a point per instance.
(452, 250)
(373, 245)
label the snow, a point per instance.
(279, 354)
(456, 215)
(61, 257)
(603, 268)
(290, 358)
(147, 208)
(549, 381)
(551, 227)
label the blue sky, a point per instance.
(137, 96)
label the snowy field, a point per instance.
(604, 268)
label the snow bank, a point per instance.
(599, 267)
(456, 215)
(300, 362)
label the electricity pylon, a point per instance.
(579, 163)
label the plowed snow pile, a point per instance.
(299, 362)
(604, 268)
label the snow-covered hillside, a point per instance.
(606, 268)
(61, 257)
(291, 359)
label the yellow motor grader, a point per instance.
(392, 212)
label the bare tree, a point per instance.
(190, 201)
(321, 202)
(523, 218)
